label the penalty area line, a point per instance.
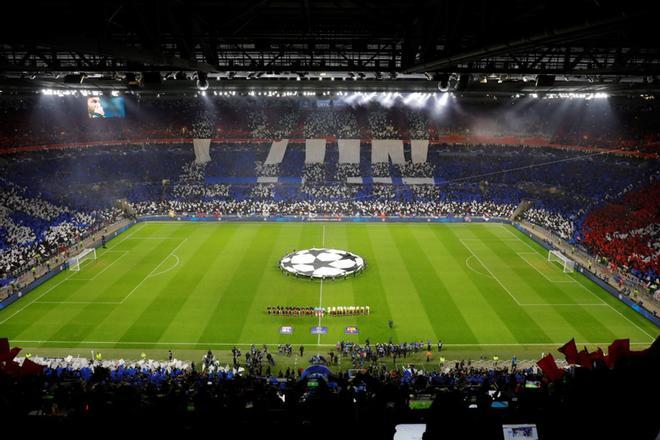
(489, 271)
(153, 270)
(469, 266)
(521, 255)
(138, 228)
(110, 247)
(588, 290)
(124, 253)
(37, 298)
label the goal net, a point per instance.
(568, 265)
(86, 254)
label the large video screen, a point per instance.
(105, 107)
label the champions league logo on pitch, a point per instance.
(322, 263)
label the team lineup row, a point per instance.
(318, 311)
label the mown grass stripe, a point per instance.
(92, 315)
(446, 257)
(519, 322)
(160, 299)
(438, 304)
(235, 277)
(578, 320)
(230, 313)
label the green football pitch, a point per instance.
(202, 285)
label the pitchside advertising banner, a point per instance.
(286, 330)
(202, 217)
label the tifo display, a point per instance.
(348, 219)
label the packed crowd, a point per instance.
(356, 208)
(315, 173)
(204, 125)
(555, 222)
(328, 121)
(33, 229)
(472, 180)
(380, 126)
(257, 124)
(417, 123)
(383, 192)
(380, 169)
(270, 122)
(425, 192)
(330, 192)
(263, 191)
(416, 169)
(196, 191)
(30, 120)
(345, 170)
(626, 231)
(468, 400)
(362, 354)
(268, 169)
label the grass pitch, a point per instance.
(205, 285)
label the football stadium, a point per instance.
(396, 220)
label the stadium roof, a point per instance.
(448, 43)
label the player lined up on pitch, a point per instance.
(348, 310)
(295, 311)
(318, 311)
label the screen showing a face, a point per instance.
(105, 107)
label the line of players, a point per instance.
(294, 311)
(318, 311)
(348, 310)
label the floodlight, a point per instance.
(202, 81)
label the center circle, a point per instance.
(322, 263)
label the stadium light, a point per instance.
(202, 81)
(443, 82)
(441, 101)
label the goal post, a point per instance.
(86, 254)
(568, 265)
